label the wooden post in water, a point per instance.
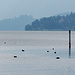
(69, 43)
(69, 38)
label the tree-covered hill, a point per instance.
(63, 23)
(16, 24)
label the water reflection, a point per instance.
(69, 52)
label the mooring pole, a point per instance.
(69, 43)
(69, 38)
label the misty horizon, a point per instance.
(14, 17)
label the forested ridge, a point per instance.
(15, 24)
(55, 23)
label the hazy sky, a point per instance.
(36, 8)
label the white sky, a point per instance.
(36, 8)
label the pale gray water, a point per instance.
(35, 60)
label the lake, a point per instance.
(36, 53)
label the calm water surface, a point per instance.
(35, 60)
